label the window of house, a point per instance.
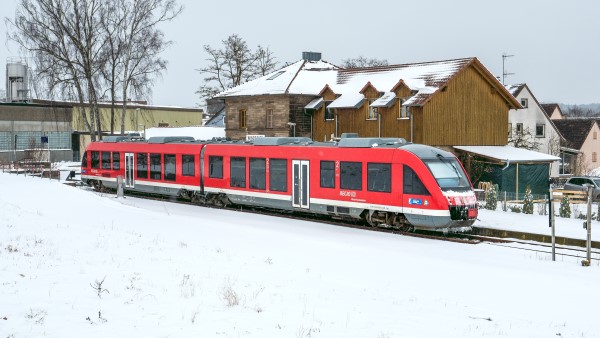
(96, 159)
(540, 130)
(351, 175)
(403, 111)
(509, 129)
(215, 166)
(105, 160)
(237, 166)
(595, 135)
(170, 167)
(155, 167)
(379, 177)
(594, 157)
(519, 129)
(524, 102)
(278, 174)
(242, 118)
(163, 124)
(327, 174)
(412, 183)
(276, 75)
(258, 173)
(329, 113)
(371, 111)
(188, 166)
(142, 165)
(269, 122)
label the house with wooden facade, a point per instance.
(442, 103)
(531, 127)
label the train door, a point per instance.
(129, 181)
(301, 184)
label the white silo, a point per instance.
(17, 81)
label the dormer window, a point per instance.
(524, 103)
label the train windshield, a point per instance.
(448, 173)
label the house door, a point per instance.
(129, 181)
(301, 184)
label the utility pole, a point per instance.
(504, 72)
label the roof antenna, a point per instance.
(505, 73)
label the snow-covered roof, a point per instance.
(508, 153)
(425, 75)
(302, 77)
(348, 100)
(198, 133)
(385, 101)
(315, 104)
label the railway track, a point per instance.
(456, 237)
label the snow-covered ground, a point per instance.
(74, 263)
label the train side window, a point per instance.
(105, 160)
(327, 174)
(215, 166)
(170, 167)
(351, 175)
(142, 165)
(379, 177)
(412, 183)
(258, 173)
(155, 167)
(116, 161)
(238, 172)
(278, 174)
(188, 165)
(84, 160)
(96, 159)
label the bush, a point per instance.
(528, 201)
(515, 208)
(565, 207)
(491, 199)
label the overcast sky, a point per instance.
(555, 43)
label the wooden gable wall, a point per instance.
(468, 111)
(323, 129)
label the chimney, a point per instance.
(311, 56)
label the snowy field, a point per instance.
(74, 263)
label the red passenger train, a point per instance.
(386, 182)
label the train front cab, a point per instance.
(451, 192)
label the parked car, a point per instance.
(580, 183)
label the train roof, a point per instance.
(420, 150)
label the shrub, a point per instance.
(565, 207)
(528, 201)
(515, 208)
(491, 199)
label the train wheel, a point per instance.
(97, 185)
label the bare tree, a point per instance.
(362, 61)
(85, 50)
(135, 45)
(232, 65)
(63, 37)
(523, 139)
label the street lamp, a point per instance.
(293, 126)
